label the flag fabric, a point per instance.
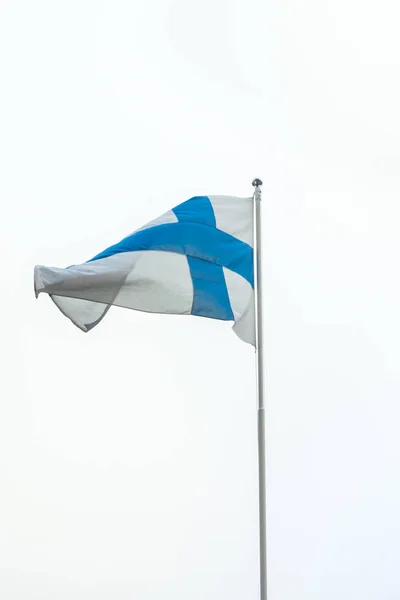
(196, 259)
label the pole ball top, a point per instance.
(257, 182)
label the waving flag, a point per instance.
(196, 259)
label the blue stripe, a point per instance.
(196, 210)
(210, 295)
(191, 239)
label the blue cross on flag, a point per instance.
(196, 259)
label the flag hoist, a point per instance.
(201, 258)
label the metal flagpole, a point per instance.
(262, 484)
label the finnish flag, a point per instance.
(196, 259)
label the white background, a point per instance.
(128, 455)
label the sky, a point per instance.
(128, 455)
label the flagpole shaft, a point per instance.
(262, 483)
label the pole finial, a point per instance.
(257, 182)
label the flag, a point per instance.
(196, 259)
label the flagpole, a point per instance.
(262, 483)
